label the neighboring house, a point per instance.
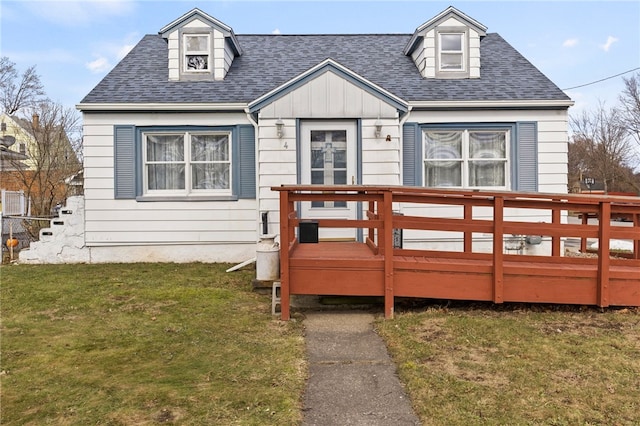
(184, 138)
(37, 159)
(13, 148)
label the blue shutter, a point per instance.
(246, 187)
(124, 160)
(526, 170)
(411, 155)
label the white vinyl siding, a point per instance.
(427, 55)
(111, 222)
(552, 140)
(328, 96)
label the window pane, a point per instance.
(443, 145)
(210, 147)
(340, 159)
(451, 61)
(165, 148)
(198, 43)
(210, 176)
(318, 136)
(165, 176)
(443, 173)
(317, 159)
(487, 173)
(317, 177)
(197, 62)
(451, 42)
(339, 136)
(487, 145)
(340, 177)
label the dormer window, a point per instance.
(451, 51)
(196, 52)
(447, 46)
(200, 48)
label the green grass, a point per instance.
(140, 344)
(144, 344)
(475, 364)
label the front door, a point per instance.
(328, 157)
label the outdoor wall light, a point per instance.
(378, 125)
(280, 128)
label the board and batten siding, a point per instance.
(114, 222)
(326, 97)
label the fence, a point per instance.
(373, 267)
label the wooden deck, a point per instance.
(364, 269)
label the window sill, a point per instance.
(185, 198)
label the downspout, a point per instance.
(403, 120)
(253, 120)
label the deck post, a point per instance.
(498, 245)
(636, 243)
(285, 241)
(604, 236)
(583, 240)
(388, 254)
(468, 235)
(555, 240)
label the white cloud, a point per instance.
(571, 42)
(101, 64)
(276, 31)
(109, 53)
(122, 52)
(607, 45)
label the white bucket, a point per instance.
(267, 259)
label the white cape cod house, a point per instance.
(184, 138)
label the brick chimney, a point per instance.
(35, 121)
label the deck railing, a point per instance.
(379, 221)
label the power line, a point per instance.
(603, 79)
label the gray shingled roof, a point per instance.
(271, 60)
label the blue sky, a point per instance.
(75, 43)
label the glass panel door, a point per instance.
(328, 161)
(328, 157)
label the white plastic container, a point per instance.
(267, 259)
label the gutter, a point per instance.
(508, 104)
(190, 107)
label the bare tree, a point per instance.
(17, 93)
(53, 155)
(630, 106)
(601, 138)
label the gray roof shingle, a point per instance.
(271, 60)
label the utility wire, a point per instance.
(603, 79)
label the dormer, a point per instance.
(200, 47)
(447, 46)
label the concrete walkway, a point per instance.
(352, 378)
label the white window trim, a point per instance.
(465, 159)
(187, 191)
(462, 52)
(206, 53)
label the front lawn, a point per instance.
(484, 364)
(125, 344)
